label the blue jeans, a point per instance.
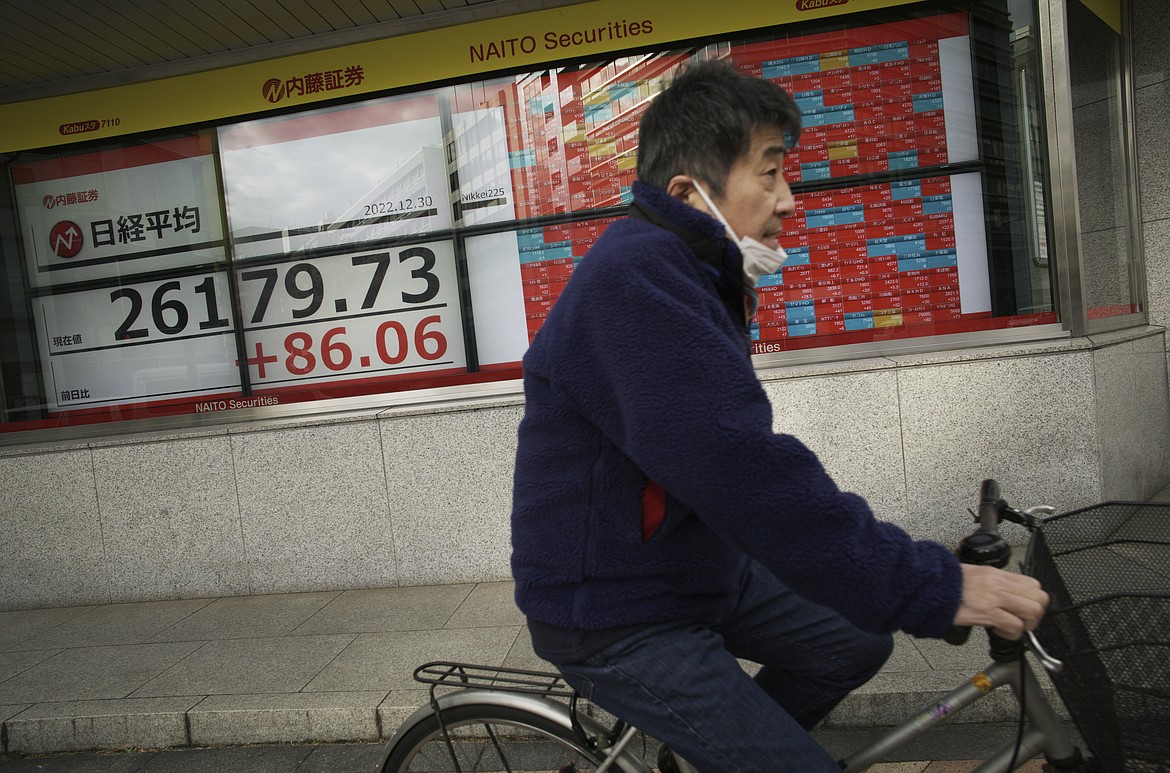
(682, 683)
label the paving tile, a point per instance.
(107, 724)
(242, 666)
(490, 604)
(898, 767)
(115, 624)
(13, 663)
(94, 673)
(19, 625)
(388, 609)
(386, 661)
(285, 718)
(247, 617)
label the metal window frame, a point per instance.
(1070, 267)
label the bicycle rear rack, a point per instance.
(499, 678)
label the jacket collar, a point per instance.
(683, 215)
(703, 234)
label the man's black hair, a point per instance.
(704, 121)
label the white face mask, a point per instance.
(758, 259)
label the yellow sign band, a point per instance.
(524, 40)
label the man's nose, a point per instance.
(785, 203)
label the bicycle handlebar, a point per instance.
(985, 547)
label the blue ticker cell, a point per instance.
(913, 247)
(880, 248)
(942, 259)
(822, 218)
(519, 159)
(926, 102)
(903, 159)
(599, 112)
(803, 329)
(815, 170)
(840, 115)
(885, 52)
(770, 280)
(912, 264)
(797, 314)
(795, 65)
(828, 117)
(812, 119)
(860, 322)
(530, 238)
(905, 189)
(797, 256)
(809, 101)
(933, 205)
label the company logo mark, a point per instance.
(78, 127)
(51, 200)
(65, 239)
(815, 5)
(274, 90)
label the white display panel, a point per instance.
(115, 213)
(370, 314)
(485, 178)
(971, 243)
(497, 295)
(335, 177)
(142, 342)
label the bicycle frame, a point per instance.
(1044, 733)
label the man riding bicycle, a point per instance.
(661, 529)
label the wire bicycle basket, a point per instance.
(1107, 569)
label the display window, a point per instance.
(419, 239)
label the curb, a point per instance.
(237, 720)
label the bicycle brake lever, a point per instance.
(1050, 663)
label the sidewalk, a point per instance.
(312, 666)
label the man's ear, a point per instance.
(682, 188)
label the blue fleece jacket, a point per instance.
(648, 473)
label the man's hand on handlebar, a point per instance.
(1008, 603)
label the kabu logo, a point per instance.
(813, 5)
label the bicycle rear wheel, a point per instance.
(484, 737)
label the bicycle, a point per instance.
(1106, 567)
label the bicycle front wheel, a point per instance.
(482, 737)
